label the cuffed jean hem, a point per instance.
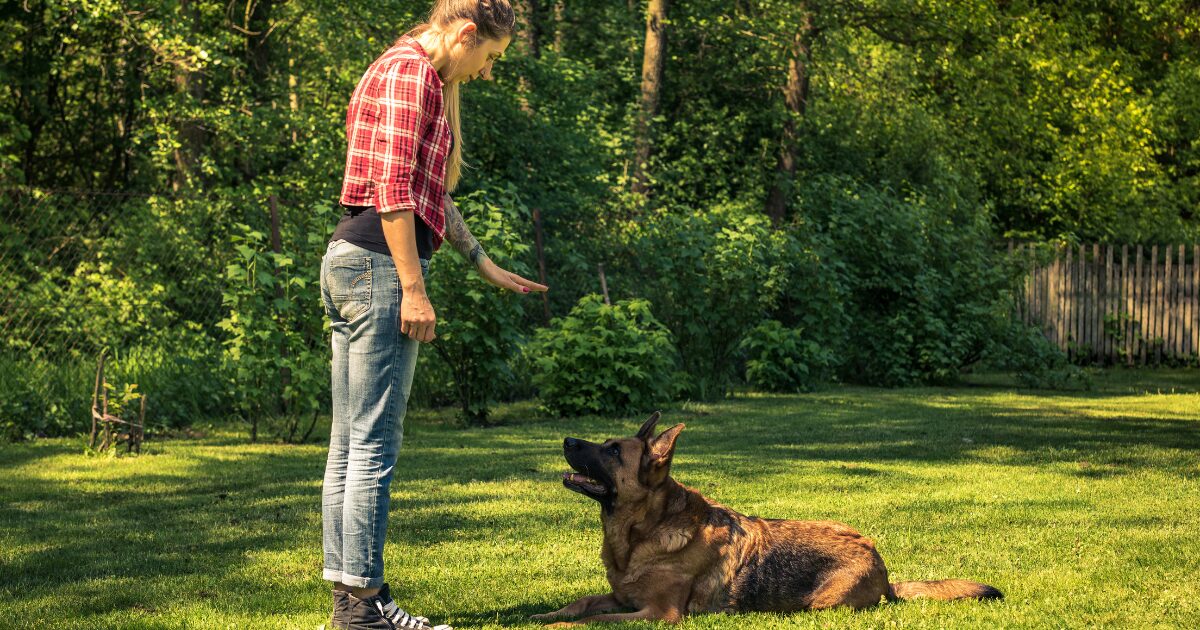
(353, 581)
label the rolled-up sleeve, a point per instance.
(403, 116)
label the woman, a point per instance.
(404, 155)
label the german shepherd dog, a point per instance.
(669, 551)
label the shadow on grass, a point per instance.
(206, 518)
(766, 433)
(1105, 383)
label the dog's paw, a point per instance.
(544, 616)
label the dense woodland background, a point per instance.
(781, 193)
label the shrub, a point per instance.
(276, 352)
(41, 397)
(181, 373)
(781, 359)
(603, 359)
(712, 275)
(1023, 351)
(479, 326)
(925, 290)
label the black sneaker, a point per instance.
(380, 612)
(340, 619)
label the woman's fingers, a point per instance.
(421, 331)
(417, 319)
(530, 284)
(511, 281)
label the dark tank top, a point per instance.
(363, 226)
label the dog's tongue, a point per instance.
(578, 478)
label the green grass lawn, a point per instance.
(1082, 507)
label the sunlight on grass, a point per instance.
(1079, 506)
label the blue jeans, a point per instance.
(373, 367)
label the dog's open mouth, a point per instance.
(584, 484)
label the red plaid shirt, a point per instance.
(398, 138)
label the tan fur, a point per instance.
(669, 551)
(943, 589)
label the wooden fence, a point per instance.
(1115, 304)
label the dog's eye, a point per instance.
(615, 449)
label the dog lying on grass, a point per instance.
(669, 551)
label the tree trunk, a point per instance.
(293, 96)
(796, 96)
(652, 68)
(191, 133)
(256, 24)
(530, 38)
(559, 28)
(531, 34)
(258, 54)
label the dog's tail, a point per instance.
(943, 589)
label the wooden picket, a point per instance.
(1101, 305)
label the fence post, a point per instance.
(1195, 299)
(1194, 306)
(285, 373)
(541, 258)
(603, 283)
(1127, 302)
(1109, 306)
(1178, 312)
(1075, 301)
(1057, 288)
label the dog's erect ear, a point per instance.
(663, 446)
(647, 430)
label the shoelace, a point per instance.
(399, 618)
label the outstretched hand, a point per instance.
(507, 279)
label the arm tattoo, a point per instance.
(460, 236)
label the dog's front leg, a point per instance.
(671, 615)
(584, 606)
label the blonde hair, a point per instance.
(494, 19)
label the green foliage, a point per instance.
(1066, 112)
(277, 352)
(124, 401)
(927, 128)
(181, 373)
(1035, 362)
(40, 397)
(712, 275)
(480, 326)
(781, 359)
(603, 359)
(924, 286)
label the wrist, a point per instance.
(478, 257)
(412, 287)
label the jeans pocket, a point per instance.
(348, 279)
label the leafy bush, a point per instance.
(479, 326)
(277, 352)
(712, 276)
(603, 359)
(781, 359)
(924, 287)
(181, 373)
(41, 397)
(1024, 351)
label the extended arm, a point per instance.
(459, 236)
